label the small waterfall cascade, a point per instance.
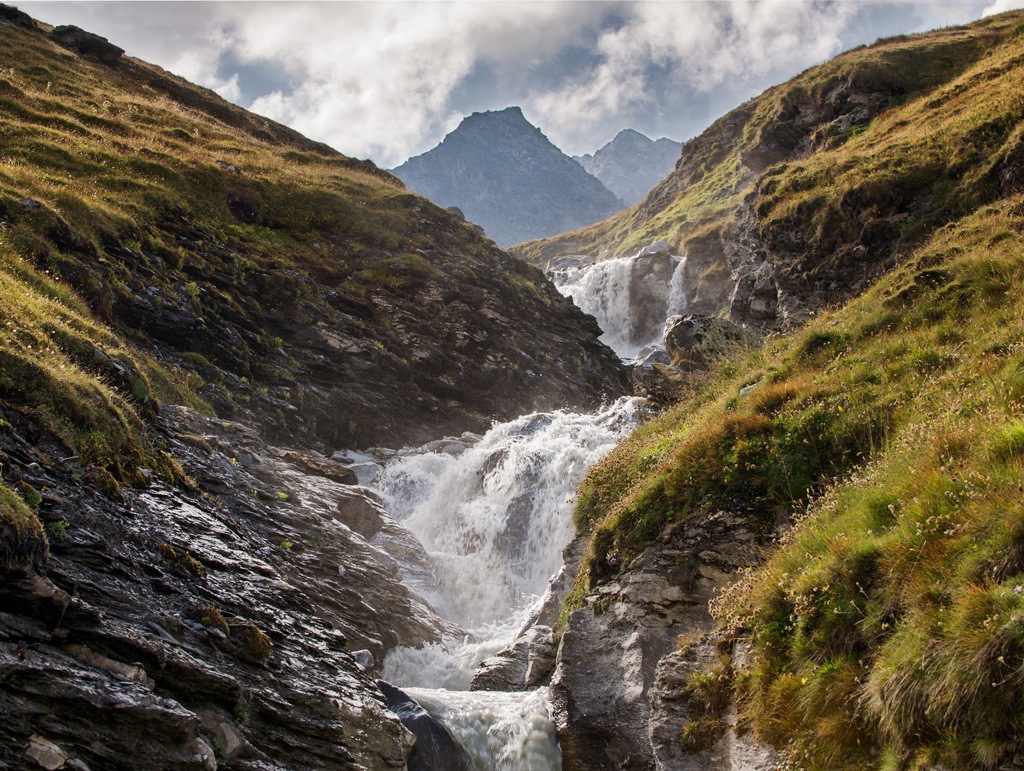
(631, 297)
(493, 518)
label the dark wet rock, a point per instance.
(182, 623)
(436, 749)
(87, 44)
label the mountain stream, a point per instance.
(631, 298)
(494, 515)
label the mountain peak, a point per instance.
(505, 175)
(632, 163)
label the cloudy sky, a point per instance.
(387, 80)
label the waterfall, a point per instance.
(603, 291)
(493, 518)
(631, 297)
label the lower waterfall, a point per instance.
(494, 517)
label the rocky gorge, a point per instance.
(287, 462)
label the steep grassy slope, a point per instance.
(932, 133)
(887, 622)
(307, 290)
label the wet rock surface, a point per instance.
(603, 690)
(203, 625)
(436, 749)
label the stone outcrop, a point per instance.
(650, 278)
(732, 747)
(87, 44)
(12, 16)
(694, 342)
(507, 177)
(604, 687)
(631, 164)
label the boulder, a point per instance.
(89, 45)
(694, 341)
(436, 749)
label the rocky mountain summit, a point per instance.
(631, 164)
(506, 176)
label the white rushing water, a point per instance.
(606, 291)
(499, 731)
(494, 519)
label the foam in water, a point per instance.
(496, 518)
(604, 290)
(499, 731)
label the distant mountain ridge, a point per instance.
(506, 176)
(631, 164)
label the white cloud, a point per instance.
(388, 79)
(374, 79)
(702, 46)
(1002, 5)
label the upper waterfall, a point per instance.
(631, 297)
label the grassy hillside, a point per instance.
(824, 107)
(889, 430)
(306, 291)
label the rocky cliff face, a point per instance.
(771, 269)
(309, 293)
(506, 176)
(205, 624)
(631, 164)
